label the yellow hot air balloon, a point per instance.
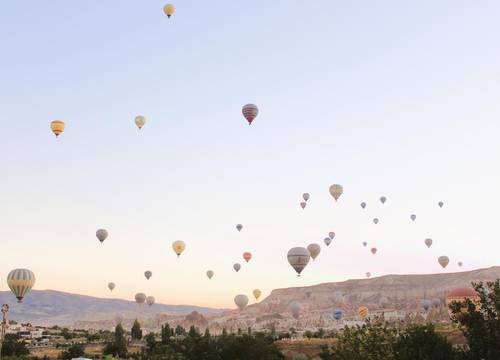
(336, 190)
(178, 247)
(257, 293)
(140, 121)
(57, 127)
(363, 312)
(20, 281)
(169, 10)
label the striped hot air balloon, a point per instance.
(57, 127)
(250, 112)
(20, 281)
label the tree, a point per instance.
(179, 330)
(422, 343)
(480, 321)
(13, 346)
(74, 351)
(117, 347)
(136, 331)
(150, 340)
(166, 333)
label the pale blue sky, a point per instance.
(392, 98)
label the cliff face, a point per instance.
(389, 291)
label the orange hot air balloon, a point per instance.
(247, 256)
(57, 127)
(363, 312)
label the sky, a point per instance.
(389, 98)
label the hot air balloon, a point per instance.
(413, 217)
(363, 312)
(375, 221)
(57, 127)
(338, 314)
(241, 301)
(426, 304)
(383, 199)
(210, 274)
(436, 302)
(101, 235)
(237, 267)
(140, 121)
(314, 250)
(20, 282)
(140, 298)
(336, 190)
(257, 293)
(239, 227)
(443, 261)
(368, 274)
(331, 235)
(306, 196)
(428, 242)
(247, 256)
(440, 204)
(365, 243)
(298, 257)
(327, 241)
(303, 205)
(460, 263)
(363, 205)
(178, 247)
(150, 300)
(308, 293)
(295, 309)
(373, 250)
(169, 10)
(250, 112)
(148, 274)
(111, 286)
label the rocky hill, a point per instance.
(47, 307)
(390, 291)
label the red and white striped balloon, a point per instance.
(250, 112)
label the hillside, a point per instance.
(54, 307)
(389, 291)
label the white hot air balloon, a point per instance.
(210, 274)
(314, 250)
(101, 235)
(241, 301)
(150, 300)
(327, 241)
(413, 217)
(443, 261)
(298, 257)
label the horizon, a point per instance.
(396, 100)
